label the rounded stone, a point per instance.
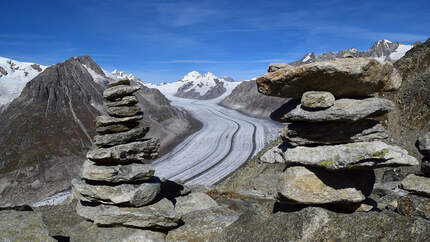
(317, 100)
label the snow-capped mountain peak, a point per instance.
(14, 75)
(116, 75)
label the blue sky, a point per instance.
(163, 40)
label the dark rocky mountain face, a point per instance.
(411, 117)
(246, 98)
(47, 130)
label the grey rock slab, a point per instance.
(317, 100)
(124, 111)
(356, 77)
(424, 144)
(136, 195)
(139, 151)
(125, 101)
(160, 215)
(346, 156)
(194, 202)
(276, 66)
(117, 173)
(87, 231)
(22, 226)
(116, 128)
(302, 133)
(105, 120)
(119, 91)
(342, 110)
(203, 225)
(107, 140)
(416, 184)
(305, 186)
(119, 82)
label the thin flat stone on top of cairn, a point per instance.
(332, 141)
(117, 184)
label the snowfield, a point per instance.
(225, 142)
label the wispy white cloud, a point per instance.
(220, 61)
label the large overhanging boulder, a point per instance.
(346, 77)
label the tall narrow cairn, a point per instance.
(333, 139)
(117, 184)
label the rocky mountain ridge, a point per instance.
(383, 50)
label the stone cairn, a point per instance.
(420, 184)
(117, 184)
(333, 139)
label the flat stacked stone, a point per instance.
(333, 139)
(117, 184)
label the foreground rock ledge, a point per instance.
(347, 156)
(355, 77)
(304, 186)
(160, 215)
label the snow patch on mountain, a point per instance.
(14, 75)
(117, 75)
(400, 52)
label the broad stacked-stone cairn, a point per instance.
(117, 184)
(333, 138)
(420, 184)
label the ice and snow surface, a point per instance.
(204, 83)
(16, 77)
(225, 142)
(400, 52)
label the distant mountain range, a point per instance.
(382, 50)
(197, 86)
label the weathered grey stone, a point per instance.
(425, 166)
(302, 133)
(119, 82)
(417, 184)
(22, 226)
(87, 231)
(104, 120)
(276, 66)
(424, 144)
(136, 195)
(108, 140)
(194, 202)
(119, 91)
(139, 151)
(317, 100)
(116, 128)
(304, 186)
(342, 110)
(159, 215)
(125, 101)
(124, 111)
(347, 156)
(117, 173)
(356, 77)
(203, 225)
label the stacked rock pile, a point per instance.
(420, 184)
(333, 139)
(117, 184)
